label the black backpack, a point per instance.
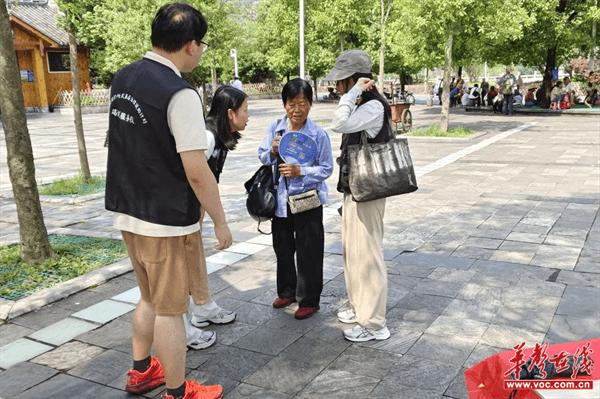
(262, 194)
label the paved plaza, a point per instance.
(500, 245)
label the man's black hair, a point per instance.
(295, 87)
(175, 25)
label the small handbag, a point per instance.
(380, 170)
(304, 202)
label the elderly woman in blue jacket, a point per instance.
(301, 232)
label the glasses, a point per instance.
(203, 46)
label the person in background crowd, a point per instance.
(507, 84)
(237, 83)
(530, 97)
(485, 88)
(361, 110)
(491, 95)
(156, 178)
(300, 234)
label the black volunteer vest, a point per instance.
(383, 136)
(145, 176)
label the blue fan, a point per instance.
(298, 148)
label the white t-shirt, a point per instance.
(186, 122)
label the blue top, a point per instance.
(312, 176)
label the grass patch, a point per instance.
(435, 131)
(73, 257)
(74, 186)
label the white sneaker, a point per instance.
(196, 338)
(361, 334)
(347, 316)
(203, 315)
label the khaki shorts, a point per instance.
(162, 267)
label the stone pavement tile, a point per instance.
(334, 248)
(491, 233)
(251, 313)
(315, 351)
(572, 328)
(227, 334)
(513, 256)
(431, 260)
(267, 340)
(105, 368)
(114, 335)
(422, 373)
(538, 287)
(530, 298)
(403, 336)
(68, 356)
(580, 301)
(503, 336)
(43, 317)
(481, 352)
(458, 388)
(225, 258)
(436, 287)
(132, 296)
(397, 316)
(403, 282)
(579, 279)
(484, 280)
(253, 392)
(456, 326)
(569, 232)
(508, 271)
(480, 310)
(564, 258)
(246, 248)
(10, 332)
(114, 287)
(526, 237)
(531, 229)
(392, 388)
(23, 376)
(588, 264)
(473, 252)
(366, 362)
(21, 350)
(428, 303)
(330, 330)
(63, 331)
(262, 239)
(104, 311)
(451, 275)
(234, 363)
(531, 319)
(417, 271)
(564, 241)
(66, 386)
(481, 242)
(453, 351)
(287, 322)
(339, 384)
(284, 375)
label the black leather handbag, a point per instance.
(380, 170)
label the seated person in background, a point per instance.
(518, 97)
(591, 97)
(332, 95)
(465, 100)
(530, 97)
(491, 95)
(540, 93)
(497, 102)
(556, 96)
(454, 95)
(475, 95)
(569, 91)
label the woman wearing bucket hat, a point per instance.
(362, 109)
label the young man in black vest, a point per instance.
(157, 176)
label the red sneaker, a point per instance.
(195, 390)
(280, 302)
(139, 383)
(304, 312)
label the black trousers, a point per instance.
(303, 235)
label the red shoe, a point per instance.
(195, 390)
(304, 312)
(139, 383)
(283, 302)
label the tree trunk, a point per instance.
(83, 160)
(402, 80)
(547, 82)
(204, 98)
(444, 120)
(35, 246)
(459, 73)
(213, 75)
(382, 49)
(316, 90)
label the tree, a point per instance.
(561, 29)
(73, 14)
(35, 246)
